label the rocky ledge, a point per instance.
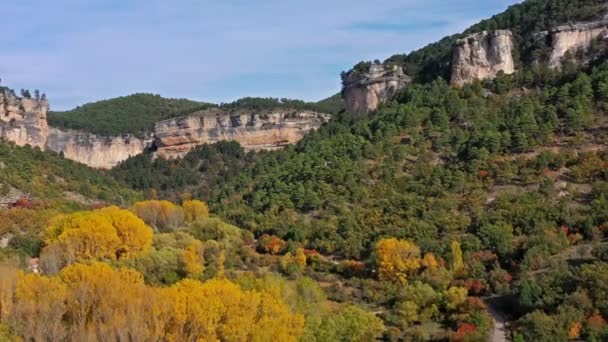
(263, 130)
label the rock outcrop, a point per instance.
(265, 130)
(23, 120)
(92, 150)
(573, 39)
(482, 56)
(364, 91)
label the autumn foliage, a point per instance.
(396, 259)
(162, 215)
(195, 211)
(110, 233)
(96, 302)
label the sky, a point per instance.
(80, 51)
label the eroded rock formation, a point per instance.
(573, 39)
(264, 130)
(482, 56)
(23, 120)
(364, 91)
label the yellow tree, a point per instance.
(195, 211)
(135, 236)
(40, 307)
(85, 235)
(429, 261)
(457, 263)
(107, 233)
(103, 301)
(396, 259)
(193, 259)
(159, 214)
(300, 258)
(8, 282)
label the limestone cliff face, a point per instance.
(92, 150)
(363, 92)
(23, 120)
(573, 38)
(481, 56)
(253, 130)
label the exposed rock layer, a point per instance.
(363, 92)
(23, 121)
(254, 131)
(482, 56)
(573, 38)
(92, 150)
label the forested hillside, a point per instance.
(52, 180)
(445, 211)
(134, 114)
(502, 182)
(524, 20)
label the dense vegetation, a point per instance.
(134, 114)
(54, 180)
(513, 175)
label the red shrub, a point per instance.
(463, 331)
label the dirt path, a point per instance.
(499, 332)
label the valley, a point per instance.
(458, 192)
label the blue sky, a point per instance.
(82, 51)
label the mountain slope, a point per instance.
(49, 178)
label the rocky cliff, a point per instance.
(481, 56)
(265, 130)
(92, 150)
(364, 91)
(573, 39)
(23, 120)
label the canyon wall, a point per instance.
(23, 121)
(482, 56)
(260, 130)
(92, 150)
(364, 91)
(572, 39)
